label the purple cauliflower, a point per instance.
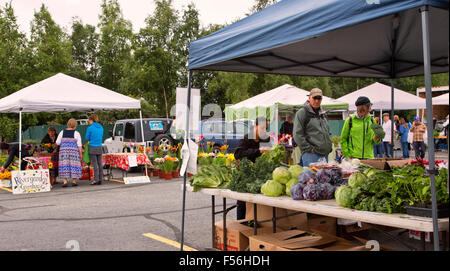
(311, 192)
(326, 191)
(307, 177)
(323, 176)
(297, 191)
(336, 176)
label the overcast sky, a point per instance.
(62, 11)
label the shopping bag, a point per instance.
(192, 163)
(425, 137)
(86, 171)
(184, 157)
(410, 137)
(86, 157)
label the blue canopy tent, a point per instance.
(351, 38)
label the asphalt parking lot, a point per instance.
(109, 217)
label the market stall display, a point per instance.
(122, 160)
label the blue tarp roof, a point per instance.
(349, 38)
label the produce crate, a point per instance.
(237, 234)
(296, 240)
(427, 211)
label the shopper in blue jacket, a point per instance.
(403, 133)
(94, 135)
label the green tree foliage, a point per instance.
(114, 49)
(84, 41)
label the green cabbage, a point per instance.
(295, 170)
(281, 175)
(356, 180)
(343, 196)
(289, 185)
(370, 171)
(272, 188)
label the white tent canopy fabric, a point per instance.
(285, 96)
(63, 93)
(380, 97)
(441, 99)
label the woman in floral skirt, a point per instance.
(70, 153)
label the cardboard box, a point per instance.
(360, 226)
(237, 234)
(385, 163)
(293, 222)
(322, 223)
(296, 240)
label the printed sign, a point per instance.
(156, 125)
(30, 181)
(135, 180)
(132, 161)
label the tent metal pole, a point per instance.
(143, 139)
(392, 117)
(427, 73)
(276, 124)
(187, 134)
(20, 139)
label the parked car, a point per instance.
(156, 133)
(220, 133)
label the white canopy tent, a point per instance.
(62, 93)
(441, 99)
(380, 97)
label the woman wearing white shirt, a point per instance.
(387, 141)
(70, 153)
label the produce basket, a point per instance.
(426, 211)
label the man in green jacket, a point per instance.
(357, 137)
(311, 131)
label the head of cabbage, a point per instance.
(356, 180)
(295, 170)
(343, 196)
(289, 185)
(281, 175)
(272, 188)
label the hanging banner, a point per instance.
(30, 181)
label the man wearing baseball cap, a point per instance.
(357, 136)
(311, 131)
(418, 129)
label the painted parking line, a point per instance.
(168, 241)
(117, 181)
(6, 189)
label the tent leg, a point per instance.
(427, 73)
(20, 140)
(392, 118)
(187, 134)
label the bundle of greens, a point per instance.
(251, 176)
(378, 130)
(389, 192)
(211, 176)
(276, 155)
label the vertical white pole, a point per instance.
(143, 139)
(20, 139)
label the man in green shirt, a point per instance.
(357, 137)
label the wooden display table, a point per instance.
(331, 209)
